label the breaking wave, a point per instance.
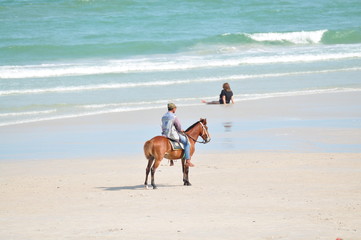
(324, 36)
(95, 87)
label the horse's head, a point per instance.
(199, 129)
(204, 132)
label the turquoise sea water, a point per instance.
(70, 58)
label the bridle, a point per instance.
(204, 130)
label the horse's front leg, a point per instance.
(185, 170)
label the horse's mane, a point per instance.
(192, 126)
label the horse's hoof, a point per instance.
(146, 187)
(187, 184)
(154, 187)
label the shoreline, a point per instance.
(264, 103)
(240, 98)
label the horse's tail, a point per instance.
(148, 146)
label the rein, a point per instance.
(204, 130)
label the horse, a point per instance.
(159, 147)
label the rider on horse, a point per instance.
(171, 128)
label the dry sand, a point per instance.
(234, 196)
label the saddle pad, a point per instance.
(176, 145)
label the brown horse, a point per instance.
(159, 147)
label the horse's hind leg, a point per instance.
(153, 169)
(150, 162)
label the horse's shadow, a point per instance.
(134, 187)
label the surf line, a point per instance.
(163, 83)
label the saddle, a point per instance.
(176, 145)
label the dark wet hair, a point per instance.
(226, 87)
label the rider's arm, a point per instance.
(177, 124)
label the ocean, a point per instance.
(71, 58)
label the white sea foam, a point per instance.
(302, 37)
(123, 105)
(181, 62)
(245, 97)
(119, 107)
(96, 87)
(16, 114)
(66, 116)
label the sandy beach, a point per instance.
(245, 195)
(296, 177)
(84, 84)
